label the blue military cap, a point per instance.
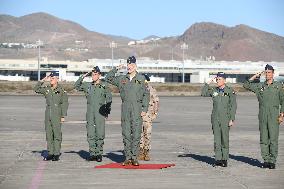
(221, 74)
(146, 77)
(269, 67)
(54, 73)
(96, 69)
(131, 59)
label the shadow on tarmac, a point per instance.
(211, 161)
(82, 153)
(114, 156)
(205, 159)
(43, 153)
(247, 160)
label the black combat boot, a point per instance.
(48, 157)
(55, 158)
(218, 163)
(92, 158)
(99, 158)
(224, 163)
(265, 165)
(271, 166)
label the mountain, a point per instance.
(67, 40)
(62, 39)
(233, 43)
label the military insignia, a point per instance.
(102, 86)
(57, 92)
(89, 88)
(234, 92)
(215, 94)
(226, 94)
(262, 89)
(138, 81)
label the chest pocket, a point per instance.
(56, 96)
(225, 98)
(138, 85)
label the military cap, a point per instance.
(221, 74)
(96, 69)
(269, 67)
(131, 59)
(54, 73)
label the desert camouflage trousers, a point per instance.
(146, 135)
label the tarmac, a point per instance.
(181, 135)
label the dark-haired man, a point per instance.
(270, 96)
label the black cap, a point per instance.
(269, 67)
(131, 59)
(54, 73)
(146, 77)
(96, 69)
(221, 74)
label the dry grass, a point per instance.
(27, 87)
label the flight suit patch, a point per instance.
(215, 94)
(138, 81)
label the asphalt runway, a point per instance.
(181, 135)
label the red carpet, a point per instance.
(141, 166)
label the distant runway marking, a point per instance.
(38, 175)
(84, 122)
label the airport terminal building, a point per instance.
(196, 71)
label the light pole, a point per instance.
(112, 45)
(184, 46)
(39, 43)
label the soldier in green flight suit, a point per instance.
(55, 113)
(270, 96)
(135, 100)
(222, 117)
(99, 99)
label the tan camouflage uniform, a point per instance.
(147, 124)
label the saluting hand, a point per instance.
(46, 78)
(211, 80)
(62, 120)
(258, 74)
(86, 74)
(120, 66)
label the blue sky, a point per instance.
(138, 19)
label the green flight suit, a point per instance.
(56, 108)
(224, 110)
(135, 99)
(270, 98)
(98, 98)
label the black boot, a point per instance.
(218, 163)
(271, 166)
(224, 163)
(48, 157)
(55, 158)
(92, 158)
(265, 165)
(99, 158)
